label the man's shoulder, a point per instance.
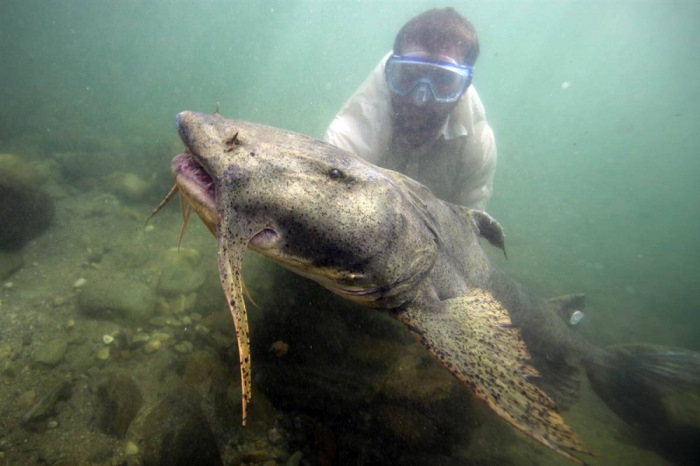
(471, 104)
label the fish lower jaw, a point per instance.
(192, 178)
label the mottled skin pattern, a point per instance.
(378, 238)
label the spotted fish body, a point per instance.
(380, 239)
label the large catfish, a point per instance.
(378, 238)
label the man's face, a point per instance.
(417, 112)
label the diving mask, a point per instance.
(445, 81)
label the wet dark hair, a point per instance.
(439, 30)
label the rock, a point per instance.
(103, 353)
(128, 186)
(416, 378)
(10, 262)
(210, 295)
(409, 426)
(46, 405)
(203, 369)
(118, 401)
(295, 459)
(181, 272)
(176, 433)
(83, 169)
(25, 209)
(51, 352)
(117, 299)
(131, 449)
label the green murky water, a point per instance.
(595, 109)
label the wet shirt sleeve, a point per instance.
(474, 184)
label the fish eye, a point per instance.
(336, 174)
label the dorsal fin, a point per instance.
(488, 228)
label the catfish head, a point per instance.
(316, 209)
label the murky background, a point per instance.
(595, 109)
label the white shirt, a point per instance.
(458, 166)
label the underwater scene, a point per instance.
(137, 329)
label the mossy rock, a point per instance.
(120, 300)
(25, 209)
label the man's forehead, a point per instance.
(446, 54)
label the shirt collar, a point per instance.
(453, 127)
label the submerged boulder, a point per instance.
(25, 209)
(118, 401)
(117, 299)
(176, 432)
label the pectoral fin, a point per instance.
(473, 338)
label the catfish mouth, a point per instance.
(200, 189)
(194, 180)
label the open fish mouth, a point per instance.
(196, 181)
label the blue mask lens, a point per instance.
(446, 81)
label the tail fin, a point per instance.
(640, 383)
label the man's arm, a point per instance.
(475, 184)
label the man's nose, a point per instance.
(421, 94)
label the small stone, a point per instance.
(181, 272)
(152, 346)
(158, 321)
(128, 186)
(274, 436)
(52, 424)
(131, 449)
(102, 353)
(51, 352)
(79, 283)
(107, 339)
(140, 339)
(162, 336)
(184, 347)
